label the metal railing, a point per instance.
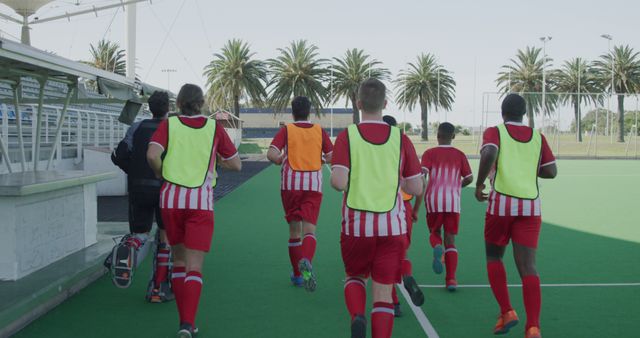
(80, 128)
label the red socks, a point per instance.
(177, 285)
(192, 289)
(451, 261)
(309, 246)
(382, 320)
(498, 281)
(394, 295)
(532, 300)
(295, 254)
(355, 296)
(407, 269)
(162, 264)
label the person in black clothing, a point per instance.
(144, 206)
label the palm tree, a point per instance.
(524, 76)
(107, 55)
(349, 72)
(576, 76)
(297, 71)
(625, 62)
(421, 83)
(234, 74)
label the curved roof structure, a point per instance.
(25, 7)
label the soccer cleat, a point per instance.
(437, 265)
(123, 262)
(416, 295)
(162, 294)
(533, 332)
(307, 274)
(452, 285)
(187, 331)
(359, 327)
(397, 312)
(297, 281)
(506, 322)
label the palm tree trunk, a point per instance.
(620, 118)
(578, 118)
(236, 105)
(354, 109)
(424, 114)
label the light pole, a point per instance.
(544, 40)
(168, 71)
(609, 38)
(331, 99)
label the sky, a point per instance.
(472, 39)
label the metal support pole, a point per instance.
(16, 108)
(36, 155)
(63, 115)
(5, 155)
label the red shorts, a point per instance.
(449, 220)
(523, 230)
(193, 228)
(409, 216)
(378, 257)
(301, 205)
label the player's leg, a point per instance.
(198, 235)
(497, 234)
(357, 255)
(172, 220)
(160, 288)
(386, 271)
(435, 222)
(308, 250)
(451, 252)
(525, 242)
(290, 204)
(382, 313)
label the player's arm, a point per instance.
(234, 163)
(488, 157)
(339, 178)
(274, 155)
(327, 157)
(420, 198)
(467, 180)
(548, 171)
(154, 158)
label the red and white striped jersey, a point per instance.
(292, 180)
(445, 166)
(370, 224)
(173, 196)
(502, 205)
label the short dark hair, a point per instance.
(300, 108)
(390, 120)
(190, 99)
(446, 129)
(372, 93)
(159, 103)
(514, 106)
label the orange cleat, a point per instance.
(533, 332)
(505, 322)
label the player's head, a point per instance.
(390, 120)
(159, 104)
(190, 99)
(446, 133)
(300, 108)
(513, 108)
(372, 96)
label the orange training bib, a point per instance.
(304, 147)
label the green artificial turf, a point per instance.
(590, 235)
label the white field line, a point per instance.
(542, 285)
(420, 316)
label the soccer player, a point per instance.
(299, 147)
(191, 144)
(407, 273)
(448, 171)
(514, 155)
(144, 206)
(371, 161)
